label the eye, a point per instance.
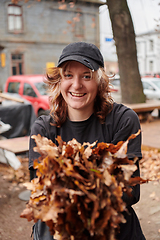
(86, 77)
(67, 76)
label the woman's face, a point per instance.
(78, 88)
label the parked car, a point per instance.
(151, 88)
(31, 88)
(116, 85)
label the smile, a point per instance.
(77, 94)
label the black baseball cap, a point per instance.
(86, 53)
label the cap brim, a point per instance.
(88, 62)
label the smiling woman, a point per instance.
(79, 89)
(82, 109)
(80, 71)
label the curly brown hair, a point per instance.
(103, 103)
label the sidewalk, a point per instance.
(148, 208)
(151, 133)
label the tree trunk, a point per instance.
(124, 36)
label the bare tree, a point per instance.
(124, 36)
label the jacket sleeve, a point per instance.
(135, 194)
(127, 124)
(36, 129)
(43, 127)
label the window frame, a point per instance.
(13, 87)
(151, 66)
(15, 17)
(31, 92)
(151, 45)
(15, 63)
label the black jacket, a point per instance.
(118, 126)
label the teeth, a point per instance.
(77, 94)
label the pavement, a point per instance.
(151, 133)
(150, 127)
(148, 208)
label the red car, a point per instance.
(31, 88)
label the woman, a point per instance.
(82, 108)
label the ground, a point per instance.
(16, 228)
(11, 225)
(148, 210)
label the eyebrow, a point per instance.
(68, 70)
(87, 72)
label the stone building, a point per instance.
(33, 34)
(148, 53)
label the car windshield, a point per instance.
(157, 83)
(41, 86)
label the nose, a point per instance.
(77, 83)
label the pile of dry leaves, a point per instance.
(18, 176)
(150, 164)
(78, 192)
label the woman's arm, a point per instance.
(126, 125)
(41, 126)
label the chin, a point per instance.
(77, 107)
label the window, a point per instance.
(17, 64)
(147, 86)
(151, 45)
(41, 87)
(151, 66)
(13, 87)
(157, 83)
(28, 90)
(15, 18)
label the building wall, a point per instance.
(148, 53)
(47, 27)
